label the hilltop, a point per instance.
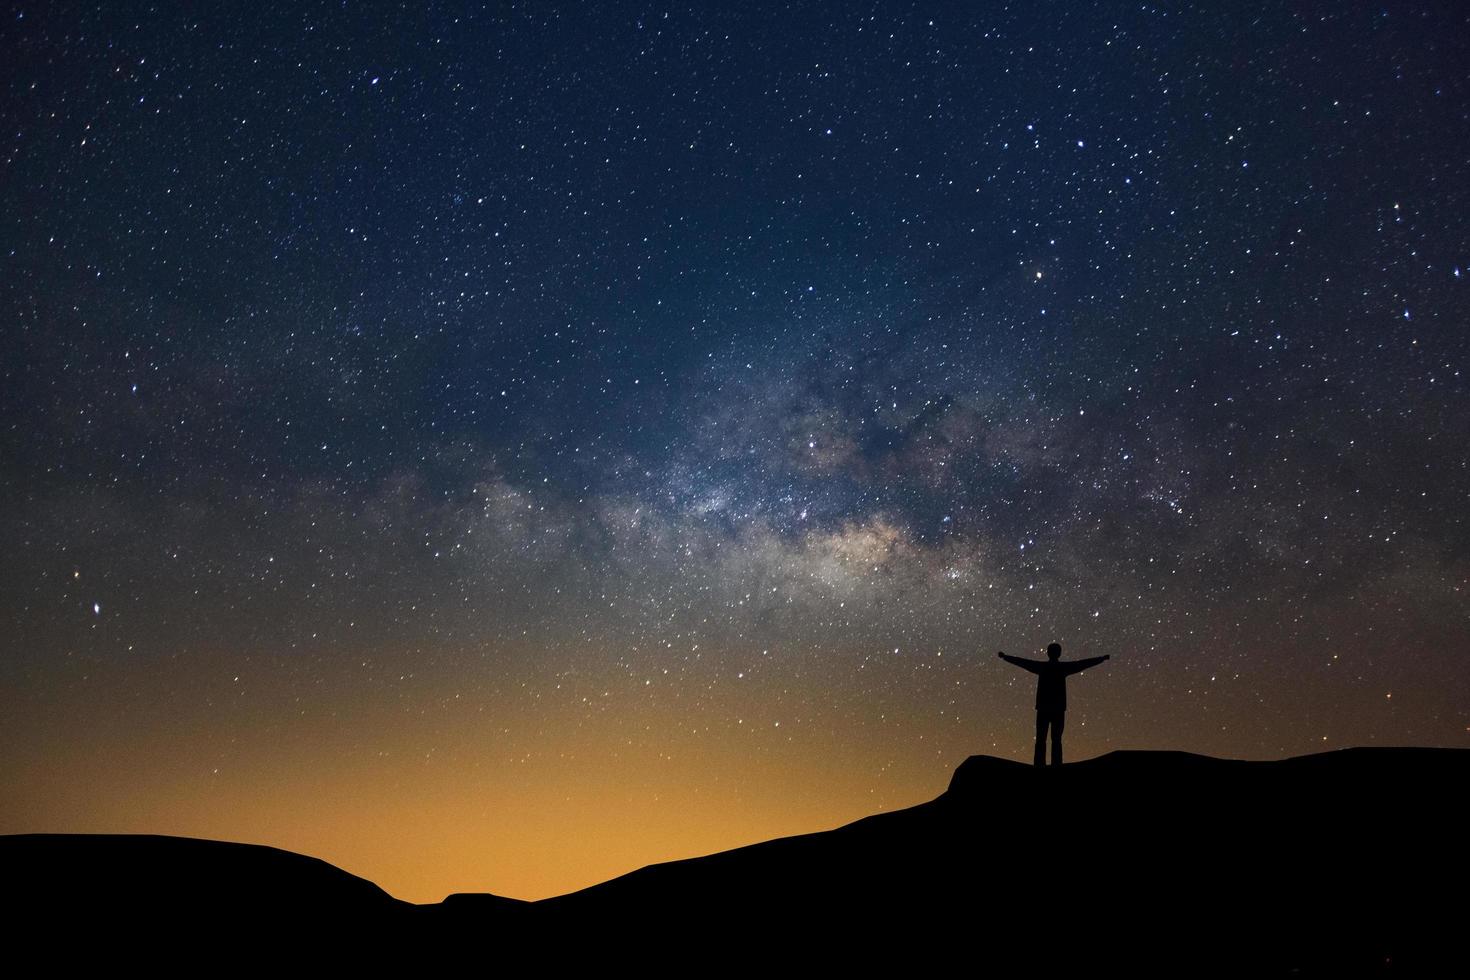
(1145, 860)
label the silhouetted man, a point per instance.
(1051, 696)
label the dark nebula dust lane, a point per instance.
(496, 449)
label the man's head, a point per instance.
(1054, 651)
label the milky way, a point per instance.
(496, 449)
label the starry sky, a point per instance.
(493, 448)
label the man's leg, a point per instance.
(1058, 720)
(1041, 720)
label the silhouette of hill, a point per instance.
(184, 878)
(1150, 861)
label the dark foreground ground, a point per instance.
(1345, 863)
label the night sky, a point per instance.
(496, 449)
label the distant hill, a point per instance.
(1347, 862)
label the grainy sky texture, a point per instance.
(492, 448)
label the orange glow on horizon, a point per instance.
(522, 794)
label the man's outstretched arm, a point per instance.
(1077, 666)
(1032, 665)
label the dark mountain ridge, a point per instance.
(1346, 861)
